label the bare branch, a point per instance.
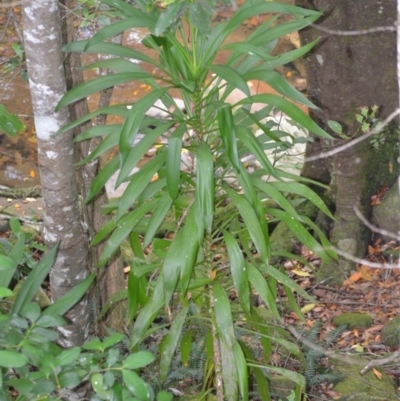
(364, 262)
(344, 358)
(355, 32)
(374, 228)
(12, 4)
(361, 138)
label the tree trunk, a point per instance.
(62, 221)
(345, 73)
(111, 278)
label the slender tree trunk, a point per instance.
(345, 73)
(42, 39)
(110, 279)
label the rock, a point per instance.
(367, 387)
(281, 387)
(391, 333)
(386, 214)
(353, 320)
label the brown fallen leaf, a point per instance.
(377, 373)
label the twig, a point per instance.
(355, 32)
(12, 4)
(361, 138)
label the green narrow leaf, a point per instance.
(170, 342)
(109, 31)
(223, 315)
(174, 160)
(186, 347)
(205, 184)
(98, 84)
(157, 218)
(135, 385)
(300, 232)
(252, 223)
(67, 301)
(133, 294)
(231, 77)
(34, 280)
(136, 246)
(138, 183)
(261, 286)
(288, 282)
(171, 13)
(228, 133)
(238, 269)
(16, 254)
(148, 313)
(242, 371)
(291, 110)
(229, 372)
(124, 226)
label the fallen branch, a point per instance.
(21, 193)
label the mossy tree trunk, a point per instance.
(345, 73)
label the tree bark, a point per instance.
(345, 73)
(42, 39)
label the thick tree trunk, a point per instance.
(62, 221)
(345, 73)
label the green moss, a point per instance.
(391, 333)
(368, 385)
(353, 320)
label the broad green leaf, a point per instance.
(164, 396)
(67, 301)
(242, 373)
(69, 379)
(261, 286)
(124, 226)
(223, 315)
(170, 342)
(156, 219)
(12, 359)
(141, 20)
(34, 280)
(288, 282)
(138, 360)
(305, 191)
(238, 270)
(6, 263)
(67, 356)
(112, 340)
(138, 183)
(10, 123)
(94, 345)
(101, 178)
(205, 184)
(15, 225)
(227, 130)
(129, 10)
(280, 84)
(252, 223)
(97, 383)
(174, 160)
(5, 292)
(16, 254)
(300, 232)
(231, 77)
(291, 110)
(31, 311)
(135, 385)
(186, 347)
(98, 84)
